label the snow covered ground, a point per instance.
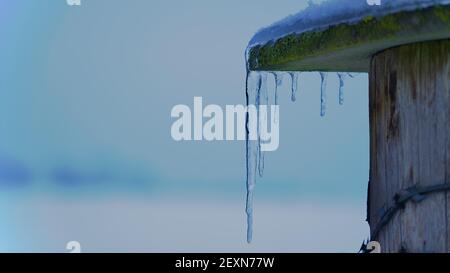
(177, 225)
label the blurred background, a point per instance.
(86, 152)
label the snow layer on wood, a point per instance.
(334, 12)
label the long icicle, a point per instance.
(341, 87)
(323, 95)
(263, 101)
(252, 88)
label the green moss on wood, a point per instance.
(359, 40)
(443, 14)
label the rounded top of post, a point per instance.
(343, 35)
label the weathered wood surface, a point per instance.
(349, 46)
(409, 144)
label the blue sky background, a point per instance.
(86, 152)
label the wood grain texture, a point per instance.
(409, 144)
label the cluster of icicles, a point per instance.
(257, 94)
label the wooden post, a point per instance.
(407, 53)
(410, 148)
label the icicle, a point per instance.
(253, 84)
(278, 82)
(323, 95)
(341, 87)
(294, 80)
(258, 127)
(263, 99)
